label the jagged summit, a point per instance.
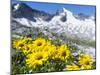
(22, 10)
(66, 10)
(20, 6)
(16, 6)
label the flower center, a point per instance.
(39, 44)
(39, 57)
(64, 53)
(87, 63)
(21, 45)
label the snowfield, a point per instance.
(84, 29)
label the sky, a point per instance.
(53, 7)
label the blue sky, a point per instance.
(53, 7)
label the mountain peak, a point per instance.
(66, 10)
(22, 10)
(16, 6)
(20, 6)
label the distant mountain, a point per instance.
(82, 16)
(22, 10)
(63, 22)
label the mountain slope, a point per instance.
(21, 10)
(62, 23)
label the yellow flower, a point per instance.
(36, 59)
(18, 44)
(63, 52)
(85, 61)
(40, 42)
(47, 48)
(52, 52)
(27, 49)
(86, 67)
(27, 40)
(72, 67)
